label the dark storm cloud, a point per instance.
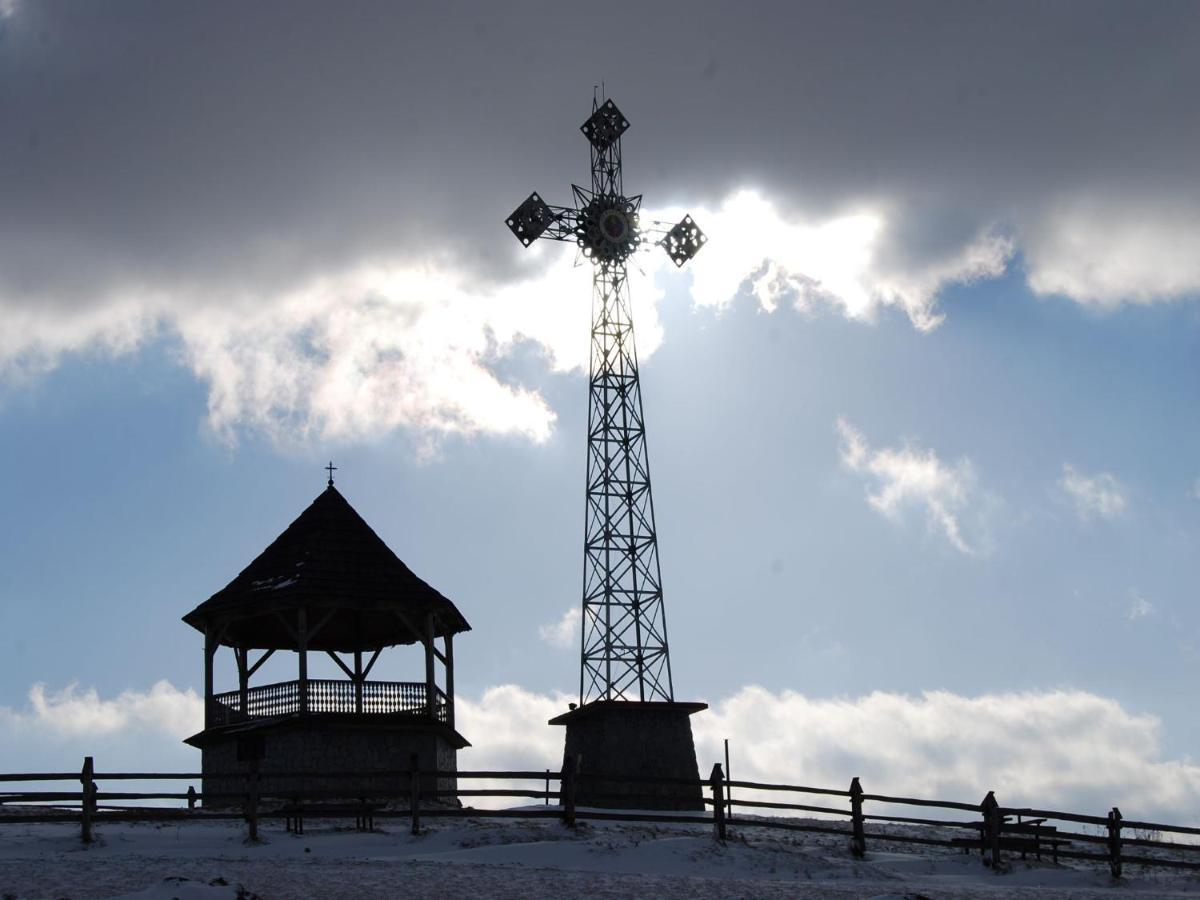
(228, 145)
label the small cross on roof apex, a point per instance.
(331, 468)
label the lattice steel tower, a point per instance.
(624, 654)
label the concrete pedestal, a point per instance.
(626, 738)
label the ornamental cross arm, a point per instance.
(606, 228)
(604, 223)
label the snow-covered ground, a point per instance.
(516, 858)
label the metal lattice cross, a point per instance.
(624, 653)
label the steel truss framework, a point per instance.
(624, 652)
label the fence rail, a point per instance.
(998, 833)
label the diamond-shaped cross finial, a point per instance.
(604, 126)
(530, 219)
(684, 241)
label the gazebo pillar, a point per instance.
(243, 667)
(302, 649)
(449, 645)
(210, 649)
(430, 683)
(358, 682)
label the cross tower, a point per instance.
(624, 655)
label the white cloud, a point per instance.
(563, 633)
(838, 260)
(508, 729)
(356, 352)
(1063, 748)
(73, 713)
(1139, 608)
(907, 477)
(1098, 496)
(1066, 748)
(1104, 252)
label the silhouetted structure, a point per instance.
(628, 721)
(327, 585)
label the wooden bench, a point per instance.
(1029, 836)
(363, 812)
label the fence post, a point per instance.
(991, 830)
(717, 781)
(1114, 842)
(414, 789)
(858, 843)
(547, 787)
(191, 797)
(87, 800)
(252, 800)
(567, 787)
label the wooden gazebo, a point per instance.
(327, 585)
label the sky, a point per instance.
(920, 414)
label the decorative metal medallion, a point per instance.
(608, 229)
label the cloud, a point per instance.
(1065, 748)
(1062, 748)
(1098, 496)
(561, 634)
(507, 728)
(323, 236)
(906, 477)
(1139, 608)
(1104, 253)
(73, 712)
(355, 353)
(840, 261)
(136, 730)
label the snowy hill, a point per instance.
(515, 858)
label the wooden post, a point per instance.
(547, 787)
(252, 800)
(210, 648)
(991, 829)
(717, 781)
(569, 769)
(449, 644)
(414, 787)
(87, 800)
(191, 797)
(728, 778)
(358, 682)
(1114, 842)
(858, 842)
(302, 649)
(430, 683)
(243, 666)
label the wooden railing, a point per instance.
(326, 696)
(997, 833)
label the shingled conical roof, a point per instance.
(331, 563)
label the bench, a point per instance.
(1029, 836)
(363, 813)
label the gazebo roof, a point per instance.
(357, 592)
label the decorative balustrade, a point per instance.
(327, 696)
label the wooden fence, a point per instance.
(998, 833)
